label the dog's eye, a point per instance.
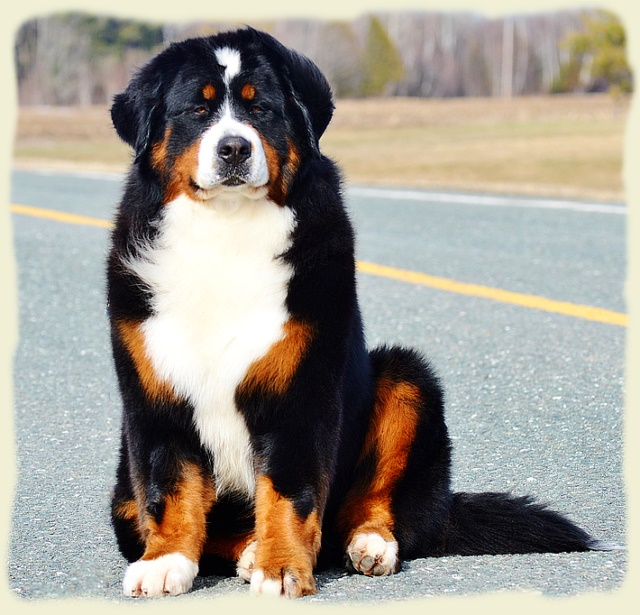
(256, 109)
(200, 110)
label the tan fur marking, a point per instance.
(293, 160)
(127, 510)
(182, 171)
(248, 92)
(391, 433)
(159, 152)
(177, 172)
(209, 92)
(273, 165)
(183, 526)
(274, 372)
(289, 169)
(393, 428)
(133, 339)
(286, 542)
(281, 174)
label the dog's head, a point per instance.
(235, 111)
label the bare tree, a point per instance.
(60, 62)
(341, 61)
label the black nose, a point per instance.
(234, 150)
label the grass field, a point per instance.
(569, 146)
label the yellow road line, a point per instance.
(584, 312)
(504, 296)
(59, 216)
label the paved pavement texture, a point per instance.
(534, 398)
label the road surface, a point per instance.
(498, 292)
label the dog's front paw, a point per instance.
(246, 561)
(284, 582)
(170, 574)
(372, 555)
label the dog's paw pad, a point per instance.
(372, 555)
(245, 564)
(170, 574)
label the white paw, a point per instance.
(169, 574)
(287, 585)
(371, 554)
(244, 567)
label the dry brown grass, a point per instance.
(561, 146)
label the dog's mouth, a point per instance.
(230, 185)
(233, 180)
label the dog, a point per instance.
(258, 431)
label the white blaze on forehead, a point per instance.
(230, 59)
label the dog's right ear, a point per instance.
(135, 111)
(307, 86)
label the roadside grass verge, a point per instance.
(570, 146)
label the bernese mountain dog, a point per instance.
(258, 430)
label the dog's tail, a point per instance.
(500, 523)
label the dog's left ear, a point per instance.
(308, 87)
(134, 111)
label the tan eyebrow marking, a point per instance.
(248, 92)
(209, 92)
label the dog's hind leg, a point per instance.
(406, 451)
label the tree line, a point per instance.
(79, 59)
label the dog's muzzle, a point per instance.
(234, 154)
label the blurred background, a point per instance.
(462, 96)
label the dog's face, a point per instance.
(233, 112)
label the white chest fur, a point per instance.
(219, 304)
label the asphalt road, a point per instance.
(535, 398)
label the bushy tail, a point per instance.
(499, 523)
